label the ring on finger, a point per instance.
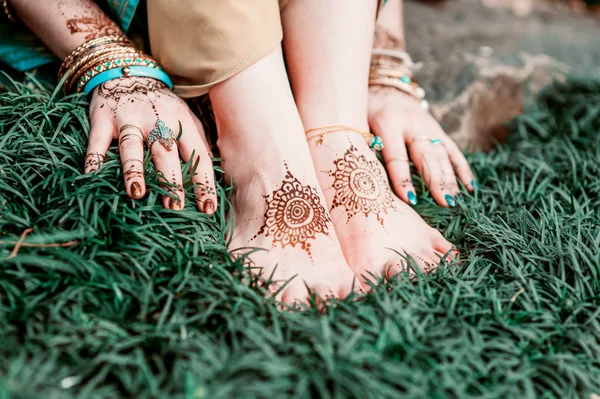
(399, 159)
(132, 160)
(436, 141)
(139, 129)
(132, 171)
(163, 134)
(130, 136)
(418, 138)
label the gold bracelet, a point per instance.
(375, 142)
(417, 94)
(86, 57)
(99, 64)
(83, 65)
(389, 72)
(80, 68)
(6, 9)
(90, 44)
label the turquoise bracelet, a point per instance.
(117, 73)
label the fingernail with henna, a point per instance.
(209, 207)
(136, 190)
(175, 204)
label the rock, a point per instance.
(482, 64)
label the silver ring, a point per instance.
(163, 134)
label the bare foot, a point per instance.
(277, 202)
(284, 213)
(376, 229)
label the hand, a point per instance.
(127, 109)
(402, 124)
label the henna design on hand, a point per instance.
(361, 186)
(387, 40)
(93, 160)
(95, 25)
(294, 215)
(118, 92)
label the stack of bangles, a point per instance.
(375, 142)
(394, 68)
(105, 58)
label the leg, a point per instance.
(328, 47)
(277, 202)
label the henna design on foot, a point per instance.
(294, 215)
(360, 186)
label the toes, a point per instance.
(394, 268)
(296, 296)
(323, 296)
(444, 247)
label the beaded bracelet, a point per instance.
(94, 65)
(114, 64)
(90, 60)
(117, 73)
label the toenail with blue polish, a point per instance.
(474, 185)
(450, 200)
(412, 198)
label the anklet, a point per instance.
(375, 142)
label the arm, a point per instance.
(136, 110)
(66, 24)
(398, 113)
(389, 32)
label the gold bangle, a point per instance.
(389, 72)
(86, 55)
(77, 65)
(95, 66)
(81, 67)
(88, 45)
(417, 92)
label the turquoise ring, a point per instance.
(436, 141)
(163, 134)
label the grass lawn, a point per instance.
(136, 300)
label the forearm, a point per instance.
(389, 33)
(65, 25)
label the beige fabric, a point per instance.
(200, 43)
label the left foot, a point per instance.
(375, 228)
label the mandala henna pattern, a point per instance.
(294, 215)
(361, 186)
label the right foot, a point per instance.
(376, 229)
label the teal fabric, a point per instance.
(22, 51)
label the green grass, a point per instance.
(146, 303)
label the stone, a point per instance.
(481, 65)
